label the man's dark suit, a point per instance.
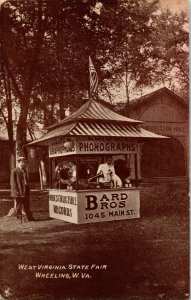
(20, 191)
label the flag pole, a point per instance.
(89, 80)
(93, 80)
(90, 98)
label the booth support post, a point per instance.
(136, 171)
(50, 172)
(77, 164)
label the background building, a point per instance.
(165, 113)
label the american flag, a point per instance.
(93, 79)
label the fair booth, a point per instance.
(79, 148)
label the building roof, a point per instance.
(94, 119)
(94, 111)
(143, 99)
(147, 98)
(98, 129)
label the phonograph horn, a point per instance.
(100, 174)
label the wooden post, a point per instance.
(50, 172)
(77, 166)
(136, 171)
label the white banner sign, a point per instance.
(63, 205)
(61, 145)
(94, 206)
(105, 145)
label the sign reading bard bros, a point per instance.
(94, 206)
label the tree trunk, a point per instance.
(21, 134)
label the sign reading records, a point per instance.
(61, 145)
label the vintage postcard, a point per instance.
(94, 149)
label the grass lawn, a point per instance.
(146, 258)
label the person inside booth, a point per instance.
(106, 174)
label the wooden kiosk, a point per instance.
(77, 146)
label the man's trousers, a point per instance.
(25, 203)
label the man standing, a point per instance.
(107, 174)
(20, 190)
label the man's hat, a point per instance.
(21, 158)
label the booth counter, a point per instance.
(94, 205)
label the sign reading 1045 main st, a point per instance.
(94, 206)
(62, 146)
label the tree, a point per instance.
(139, 54)
(6, 108)
(60, 69)
(170, 51)
(21, 41)
(130, 43)
(118, 45)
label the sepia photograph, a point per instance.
(94, 150)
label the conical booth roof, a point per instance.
(95, 111)
(95, 119)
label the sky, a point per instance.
(175, 5)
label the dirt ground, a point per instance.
(146, 258)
